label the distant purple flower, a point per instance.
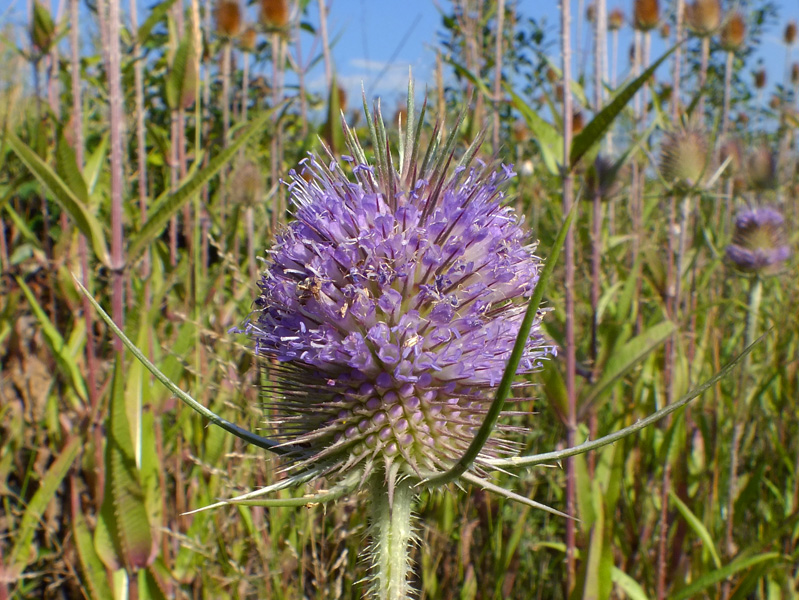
(391, 305)
(758, 242)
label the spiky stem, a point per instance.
(391, 532)
(498, 71)
(725, 115)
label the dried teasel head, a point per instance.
(732, 149)
(789, 35)
(246, 184)
(275, 13)
(590, 13)
(683, 159)
(795, 73)
(248, 39)
(703, 17)
(615, 19)
(775, 102)
(646, 14)
(733, 32)
(761, 168)
(520, 132)
(760, 78)
(665, 31)
(228, 18)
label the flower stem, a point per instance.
(391, 535)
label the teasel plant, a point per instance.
(394, 315)
(703, 18)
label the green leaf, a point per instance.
(625, 358)
(95, 163)
(123, 503)
(546, 137)
(719, 575)
(182, 80)
(58, 347)
(92, 568)
(628, 585)
(594, 131)
(698, 528)
(66, 167)
(159, 218)
(23, 536)
(157, 13)
(63, 194)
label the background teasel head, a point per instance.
(761, 168)
(602, 179)
(733, 32)
(275, 14)
(760, 78)
(646, 14)
(390, 307)
(615, 19)
(684, 156)
(246, 184)
(228, 18)
(758, 244)
(248, 39)
(789, 35)
(703, 17)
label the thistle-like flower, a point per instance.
(389, 308)
(758, 242)
(684, 158)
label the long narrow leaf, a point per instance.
(698, 528)
(84, 219)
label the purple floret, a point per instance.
(758, 241)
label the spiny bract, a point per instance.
(388, 310)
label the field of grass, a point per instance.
(147, 163)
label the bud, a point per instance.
(760, 79)
(758, 244)
(683, 157)
(733, 33)
(646, 14)
(615, 19)
(703, 17)
(275, 13)
(248, 39)
(228, 18)
(761, 168)
(790, 33)
(42, 29)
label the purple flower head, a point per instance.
(390, 306)
(758, 242)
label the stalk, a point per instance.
(704, 59)
(116, 116)
(498, 71)
(325, 43)
(391, 533)
(725, 115)
(301, 81)
(740, 415)
(571, 356)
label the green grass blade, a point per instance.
(63, 194)
(719, 575)
(92, 568)
(460, 467)
(698, 528)
(594, 131)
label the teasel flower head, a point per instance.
(703, 17)
(665, 31)
(733, 32)
(646, 14)
(389, 308)
(248, 39)
(761, 168)
(275, 13)
(684, 156)
(758, 244)
(615, 19)
(789, 35)
(228, 18)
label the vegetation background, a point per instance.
(142, 152)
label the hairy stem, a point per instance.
(391, 533)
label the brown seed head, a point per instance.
(795, 73)
(275, 13)
(760, 79)
(521, 133)
(665, 31)
(552, 75)
(590, 13)
(228, 18)
(790, 33)
(761, 168)
(578, 122)
(615, 19)
(743, 118)
(733, 33)
(646, 14)
(248, 39)
(774, 102)
(703, 17)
